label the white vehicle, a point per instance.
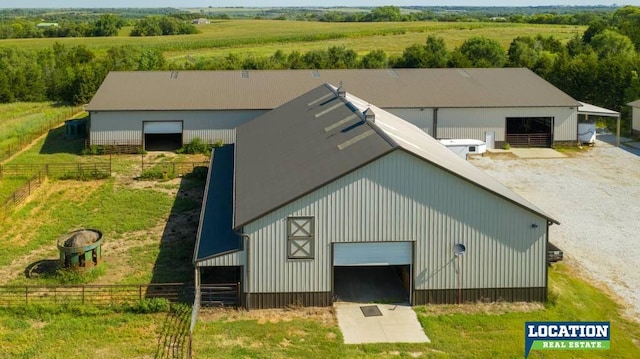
(465, 147)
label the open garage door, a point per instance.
(371, 254)
(529, 131)
(162, 135)
(372, 272)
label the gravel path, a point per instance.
(596, 197)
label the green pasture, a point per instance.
(263, 37)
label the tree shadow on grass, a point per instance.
(174, 263)
(57, 142)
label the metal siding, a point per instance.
(635, 118)
(424, 204)
(210, 126)
(226, 260)
(420, 117)
(475, 122)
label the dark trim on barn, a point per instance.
(450, 296)
(282, 300)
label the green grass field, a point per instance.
(20, 122)
(264, 37)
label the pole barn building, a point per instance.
(328, 197)
(168, 109)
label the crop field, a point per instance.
(264, 37)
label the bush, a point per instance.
(506, 146)
(197, 146)
(146, 306)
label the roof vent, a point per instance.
(315, 74)
(341, 91)
(174, 75)
(369, 115)
(245, 74)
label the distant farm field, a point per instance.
(264, 37)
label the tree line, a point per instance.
(104, 25)
(600, 66)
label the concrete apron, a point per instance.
(537, 153)
(398, 323)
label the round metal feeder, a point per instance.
(80, 250)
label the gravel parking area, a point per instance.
(596, 197)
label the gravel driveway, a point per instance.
(596, 197)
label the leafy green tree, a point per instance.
(436, 52)
(107, 25)
(610, 43)
(385, 13)
(339, 57)
(376, 59)
(627, 20)
(480, 52)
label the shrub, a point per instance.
(198, 146)
(506, 146)
(147, 305)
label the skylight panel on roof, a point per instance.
(341, 122)
(317, 101)
(357, 138)
(326, 111)
(315, 74)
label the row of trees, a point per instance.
(105, 25)
(601, 66)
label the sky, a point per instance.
(276, 3)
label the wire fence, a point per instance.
(93, 294)
(25, 140)
(96, 170)
(19, 195)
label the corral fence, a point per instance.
(26, 140)
(20, 194)
(93, 294)
(97, 147)
(59, 170)
(172, 169)
(529, 140)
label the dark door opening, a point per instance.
(366, 284)
(220, 286)
(162, 141)
(530, 131)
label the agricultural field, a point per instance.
(264, 37)
(22, 122)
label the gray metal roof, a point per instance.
(635, 103)
(588, 109)
(388, 88)
(215, 231)
(318, 137)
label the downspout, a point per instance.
(435, 123)
(247, 267)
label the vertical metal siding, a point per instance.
(426, 205)
(226, 260)
(635, 118)
(420, 117)
(210, 126)
(475, 122)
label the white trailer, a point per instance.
(465, 147)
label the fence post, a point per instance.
(83, 295)
(140, 293)
(26, 294)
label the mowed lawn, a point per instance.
(264, 37)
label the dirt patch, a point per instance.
(324, 315)
(594, 195)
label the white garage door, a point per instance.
(163, 127)
(371, 254)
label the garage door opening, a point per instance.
(162, 135)
(372, 272)
(162, 142)
(530, 131)
(382, 284)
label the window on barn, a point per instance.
(300, 237)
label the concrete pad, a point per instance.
(537, 153)
(398, 324)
